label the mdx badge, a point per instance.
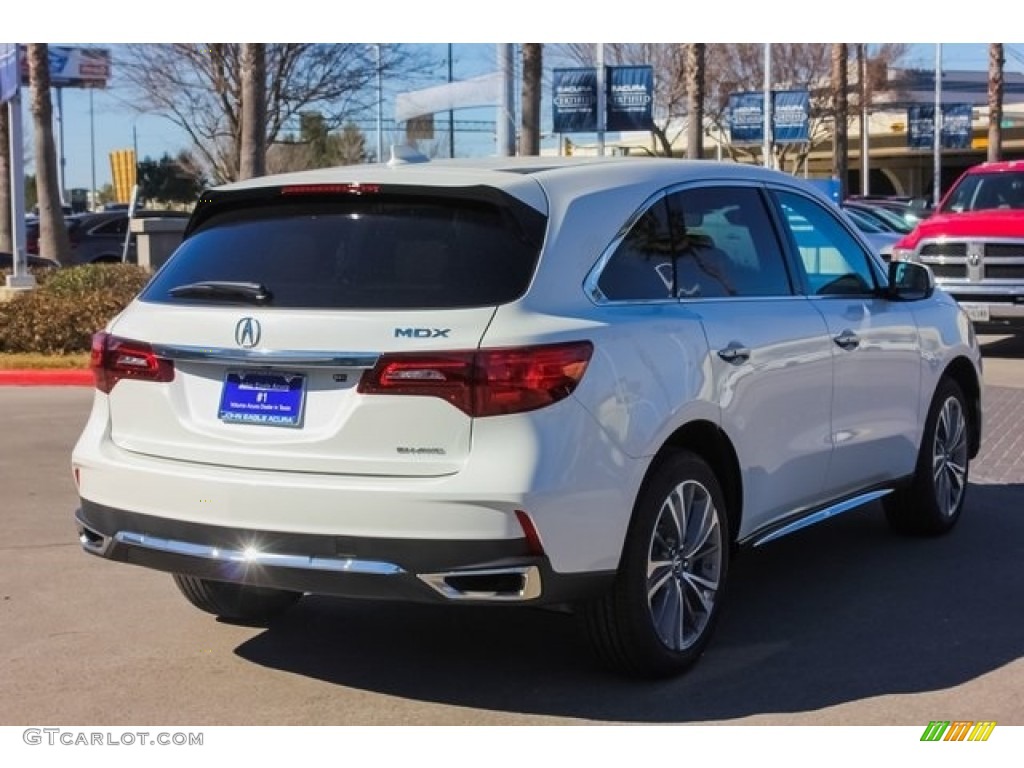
(422, 333)
(247, 332)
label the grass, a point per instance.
(34, 361)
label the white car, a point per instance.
(524, 381)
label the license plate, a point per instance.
(259, 397)
(977, 312)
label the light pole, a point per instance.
(767, 148)
(92, 153)
(937, 124)
(380, 107)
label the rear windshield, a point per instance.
(359, 253)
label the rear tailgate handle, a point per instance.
(735, 353)
(847, 339)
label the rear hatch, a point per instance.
(264, 341)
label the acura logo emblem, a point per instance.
(247, 332)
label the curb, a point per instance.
(57, 377)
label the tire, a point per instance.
(932, 503)
(660, 613)
(237, 602)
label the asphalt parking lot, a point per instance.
(842, 624)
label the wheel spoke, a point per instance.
(656, 581)
(709, 524)
(695, 583)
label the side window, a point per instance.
(833, 260)
(116, 227)
(725, 244)
(641, 267)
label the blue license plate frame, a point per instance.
(264, 398)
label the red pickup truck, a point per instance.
(974, 243)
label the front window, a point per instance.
(987, 191)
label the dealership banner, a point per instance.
(956, 126)
(73, 67)
(791, 112)
(791, 115)
(746, 118)
(574, 100)
(8, 72)
(630, 99)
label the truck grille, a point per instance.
(974, 261)
(944, 249)
(949, 270)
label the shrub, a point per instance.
(60, 316)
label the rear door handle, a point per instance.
(847, 339)
(735, 353)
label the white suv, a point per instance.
(522, 381)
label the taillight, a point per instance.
(113, 358)
(488, 382)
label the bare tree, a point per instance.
(840, 140)
(695, 74)
(533, 65)
(253, 151)
(6, 222)
(803, 66)
(198, 87)
(53, 235)
(996, 61)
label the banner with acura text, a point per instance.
(630, 98)
(956, 126)
(574, 100)
(791, 115)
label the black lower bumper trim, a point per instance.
(382, 569)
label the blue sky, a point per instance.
(114, 117)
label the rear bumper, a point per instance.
(427, 571)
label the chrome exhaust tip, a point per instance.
(492, 584)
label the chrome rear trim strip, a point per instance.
(254, 556)
(257, 357)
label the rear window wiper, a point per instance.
(223, 290)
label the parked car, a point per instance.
(34, 262)
(98, 237)
(519, 381)
(891, 222)
(881, 239)
(911, 210)
(975, 243)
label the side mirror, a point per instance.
(910, 281)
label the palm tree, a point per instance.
(840, 144)
(53, 235)
(533, 60)
(696, 54)
(995, 101)
(252, 159)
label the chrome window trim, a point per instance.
(590, 282)
(305, 358)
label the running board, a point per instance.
(820, 515)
